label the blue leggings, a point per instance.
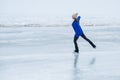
(84, 37)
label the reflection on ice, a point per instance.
(76, 56)
(93, 61)
(76, 74)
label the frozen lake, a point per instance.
(45, 53)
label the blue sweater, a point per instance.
(77, 28)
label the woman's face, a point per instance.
(73, 17)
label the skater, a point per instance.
(79, 32)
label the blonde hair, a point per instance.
(74, 16)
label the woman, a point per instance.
(79, 32)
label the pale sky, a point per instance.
(60, 7)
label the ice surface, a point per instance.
(45, 53)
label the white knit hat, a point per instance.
(74, 16)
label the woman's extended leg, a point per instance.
(91, 43)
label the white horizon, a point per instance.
(109, 8)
